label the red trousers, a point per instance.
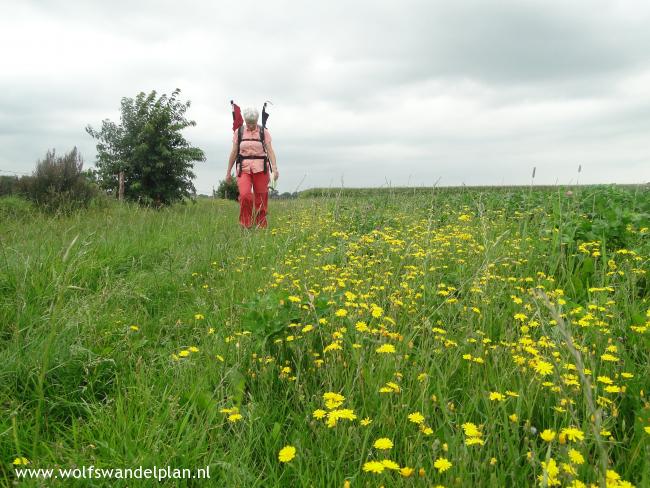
(253, 204)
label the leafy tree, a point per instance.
(149, 148)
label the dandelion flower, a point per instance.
(576, 457)
(495, 396)
(319, 414)
(374, 467)
(383, 443)
(286, 454)
(386, 349)
(416, 418)
(234, 417)
(548, 435)
(442, 465)
(573, 434)
(543, 368)
(388, 464)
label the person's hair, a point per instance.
(251, 115)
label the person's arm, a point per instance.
(274, 166)
(231, 159)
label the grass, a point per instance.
(130, 336)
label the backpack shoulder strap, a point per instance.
(240, 131)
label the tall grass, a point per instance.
(97, 307)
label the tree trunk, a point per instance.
(120, 190)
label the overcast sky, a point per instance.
(365, 93)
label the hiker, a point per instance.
(252, 155)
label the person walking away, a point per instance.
(252, 156)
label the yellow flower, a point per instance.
(193, 349)
(496, 396)
(373, 467)
(341, 312)
(390, 464)
(416, 418)
(286, 454)
(294, 299)
(333, 400)
(543, 368)
(386, 349)
(471, 430)
(198, 316)
(366, 421)
(513, 417)
(647, 429)
(134, 328)
(383, 443)
(21, 461)
(319, 414)
(406, 472)
(234, 417)
(573, 434)
(548, 435)
(442, 465)
(576, 457)
(184, 353)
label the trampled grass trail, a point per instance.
(446, 338)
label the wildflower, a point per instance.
(184, 353)
(426, 430)
(442, 465)
(333, 400)
(366, 421)
(573, 434)
(341, 312)
(471, 430)
(193, 349)
(374, 467)
(198, 316)
(386, 349)
(493, 461)
(319, 414)
(134, 328)
(286, 454)
(548, 435)
(543, 368)
(294, 299)
(416, 417)
(496, 396)
(21, 461)
(406, 472)
(234, 417)
(576, 457)
(383, 443)
(390, 464)
(513, 418)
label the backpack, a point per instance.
(240, 158)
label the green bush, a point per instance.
(59, 183)
(228, 189)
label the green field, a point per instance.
(484, 337)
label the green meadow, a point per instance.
(434, 337)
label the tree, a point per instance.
(149, 149)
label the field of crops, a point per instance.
(494, 337)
